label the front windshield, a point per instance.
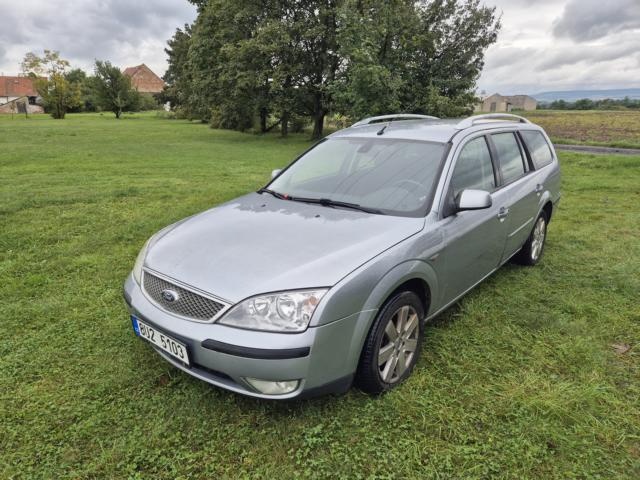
(390, 175)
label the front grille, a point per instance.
(188, 304)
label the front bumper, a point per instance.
(224, 356)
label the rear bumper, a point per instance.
(225, 356)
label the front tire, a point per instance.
(393, 345)
(531, 252)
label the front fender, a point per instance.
(393, 279)
(362, 293)
(409, 270)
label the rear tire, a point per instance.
(531, 252)
(393, 345)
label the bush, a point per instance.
(170, 115)
(297, 124)
(148, 102)
(339, 121)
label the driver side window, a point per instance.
(473, 168)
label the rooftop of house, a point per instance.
(131, 71)
(17, 87)
(144, 79)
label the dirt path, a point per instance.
(603, 150)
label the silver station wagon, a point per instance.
(326, 276)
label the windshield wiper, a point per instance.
(327, 202)
(272, 192)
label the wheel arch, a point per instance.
(548, 209)
(414, 275)
(545, 204)
(417, 285)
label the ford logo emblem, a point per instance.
(169, 296)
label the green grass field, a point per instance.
(528, 377)
(591, 127)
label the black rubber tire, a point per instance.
(368, 376)
(524, 257)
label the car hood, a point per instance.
(257, 244)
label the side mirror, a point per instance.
(275, 173)
(473, 200)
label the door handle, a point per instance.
(539, 188)
(502, 213)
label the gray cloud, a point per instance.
(564, 45)
(126, 32)
(9, 31)
(584, 20)
(592, 54)
(506, 57)
(544, 44)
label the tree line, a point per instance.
(588, 104)
(63, 89)
(247, 64)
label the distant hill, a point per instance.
(573, 95)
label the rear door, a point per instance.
(474, 240)
(519, 183)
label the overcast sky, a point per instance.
(543, 45)
(125, 32)
(564, 45)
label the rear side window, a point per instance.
(509, 155)
(538, 148)
(473, 168)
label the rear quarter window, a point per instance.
(538, 148)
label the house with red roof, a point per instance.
(18, 94)
(144, 80)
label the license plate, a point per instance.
(164, 342)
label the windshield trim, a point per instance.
(328, 202)
(424, 209)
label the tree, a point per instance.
(374, 56)
(225, 77)
(251, 59)
(58, 94)
(312, 29)
(113, 89)
(176, 78)
(584, 104)
(244, 59)
(78, 77)
(415, 57)
(559, 105)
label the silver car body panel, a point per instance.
(258, 244)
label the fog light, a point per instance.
(267, 387)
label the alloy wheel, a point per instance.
(399, 344)
(537, 241)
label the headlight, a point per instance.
(137, 267)
(275, 312)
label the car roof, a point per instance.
(429, 130)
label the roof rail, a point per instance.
(397, 116)
(471, 121)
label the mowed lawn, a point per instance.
(535, 374)
(590, 127)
